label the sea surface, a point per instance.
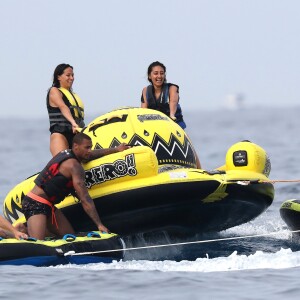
(230, 266)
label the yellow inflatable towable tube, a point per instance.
(155, 185)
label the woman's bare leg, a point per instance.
(58, 143)
(198, 164)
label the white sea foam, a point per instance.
(282, 259)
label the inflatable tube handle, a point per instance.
(69, 237)
(93, 234)
(28, 239)
(107, 121)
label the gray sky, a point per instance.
(211, 48)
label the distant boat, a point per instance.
(234, 101)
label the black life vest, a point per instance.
(55, 185)
(58, 120)
(162, 103)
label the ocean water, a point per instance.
(229, 266)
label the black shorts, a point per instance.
(32, 207)
(68, 134)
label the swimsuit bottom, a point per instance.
(67, 134)
(36, 205)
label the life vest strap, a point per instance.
(45, 201)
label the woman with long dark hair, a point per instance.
(65, 109)
(162, 96)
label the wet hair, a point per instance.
(59, 70)
(79, 137)
(155, 64)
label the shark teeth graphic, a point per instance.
(173, 151)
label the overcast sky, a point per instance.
(211, 48)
